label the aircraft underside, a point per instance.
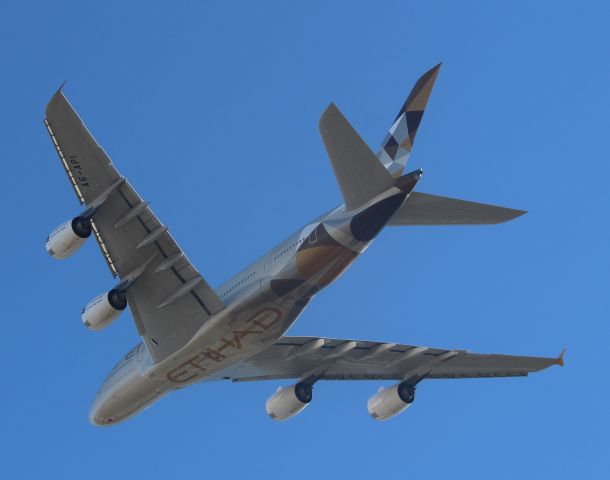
(192, 332)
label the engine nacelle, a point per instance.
(68, 237)
(388, 402)
(104, 309)
(289, 401)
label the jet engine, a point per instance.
(388, 402)
(289, 401)
(104, 309)
(68, 237)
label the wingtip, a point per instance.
(559, 361)
(57, 93)
(515, 214)
(433, 72)
(327, 113)
(510, 214)
(56, 97)
(61, 87)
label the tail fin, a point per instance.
(397, 145)
(359, 173)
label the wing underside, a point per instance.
(170, 300)
(334, 359)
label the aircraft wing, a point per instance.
(170, 300)
(334, 359)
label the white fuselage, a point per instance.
(262, 302)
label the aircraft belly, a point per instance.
(127, 397)
(254, 318)
(244, 330)
(240, 331)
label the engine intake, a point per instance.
(104, 309)
(289, 401)
(68, 237)
(388, 402)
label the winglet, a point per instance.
(559, 360)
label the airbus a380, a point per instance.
(193, 333)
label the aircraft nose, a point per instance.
(99, 414)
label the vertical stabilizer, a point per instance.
(399, 141)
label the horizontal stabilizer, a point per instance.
(360, 175)
(426, 209)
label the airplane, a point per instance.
(193, 333)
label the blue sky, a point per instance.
(211, 110)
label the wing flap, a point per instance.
(278, 362)
(472, 365)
